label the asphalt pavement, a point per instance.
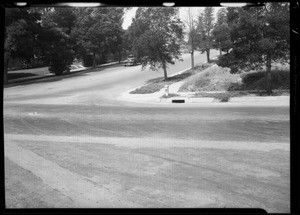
(73, 142)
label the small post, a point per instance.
(166, 90)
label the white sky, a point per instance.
(182, 13)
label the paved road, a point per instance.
(71, 143)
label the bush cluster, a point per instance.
(280, 80)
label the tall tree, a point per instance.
(99, 31)
(156, 34)
(192, 33)
(205, 26)
(260, 36)
(55, 41)
(221, 32)
(21, 29)
(221, 16)
(126, 43)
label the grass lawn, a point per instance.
(155, 85)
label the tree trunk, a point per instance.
(94, 60)
(268, 75)
(192, 58)
(165, 71)
(120, 56)
(207, 55)
(5, 71)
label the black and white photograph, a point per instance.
(136, 106)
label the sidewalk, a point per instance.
(49, 75)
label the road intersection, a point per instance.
(73, 142)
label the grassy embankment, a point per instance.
(219, 83)
(155, 85)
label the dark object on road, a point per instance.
(131, 61)
(178, 101)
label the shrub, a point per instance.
(252, 77)
(14, 64)
(229, 60)
(222, 97)
(280, 80)
(87, 60)
(58, 51)
(61, 62)
(234, 86)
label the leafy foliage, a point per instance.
(192, 34)
(156, 34)
(260, 36)
(221, 32)
(257, 80)
(21, 29)
(98, 31)
(204, 29)
(260, 33)
(56, 45)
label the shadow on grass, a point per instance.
(174, 78)
(156, 84)
(54, 78)
(11, 76)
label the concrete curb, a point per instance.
(245, 99)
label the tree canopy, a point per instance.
(55, 41)
(204, 28)
(156, 33)
(251, 36)
(98, 30)
(221, 32)
(21, 29)
(260, 36)
(191, 25)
